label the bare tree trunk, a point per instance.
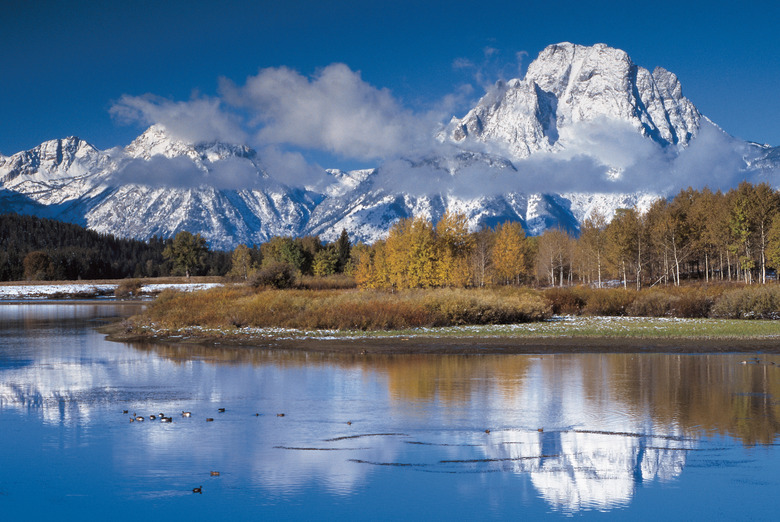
(598, 258)
(728, 263)
(639, 265)
(666, 265)
(763, 256)
(625, 280)
(560, 283)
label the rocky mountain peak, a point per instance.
(54, 158)
(569, 84)
(157, 141)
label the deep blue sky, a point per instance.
(64, 64)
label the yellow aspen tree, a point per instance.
(398, 253)
(422, 254)
(593, 242)
(455, 245)
(241, 263)
(508, 253)
(362, 256)
(479, 261)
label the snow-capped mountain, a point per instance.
(129, 192)
(570, 84)
(589, 109)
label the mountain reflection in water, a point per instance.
(586, 430)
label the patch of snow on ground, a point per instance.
(43, 291)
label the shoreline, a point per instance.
(64, 291)
(443, 342)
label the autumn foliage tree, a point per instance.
(417, 254)
(509, 253)
(592, 245)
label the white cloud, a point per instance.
(198, 120)
(181, 172)
(462, 63)
(159, 171)
(334, 111)
(292, 169)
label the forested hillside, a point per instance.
(33, 248)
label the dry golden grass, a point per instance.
(331, 282)
(345, 309)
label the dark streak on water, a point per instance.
(319, 449)
(444, 444)
(508, 459)
(391, 464)
(636, 435)
(336, 439)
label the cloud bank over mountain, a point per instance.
(583, 119)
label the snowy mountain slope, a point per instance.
(763, 157)
(55, 171)
(378, 198)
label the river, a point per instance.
(307, 435)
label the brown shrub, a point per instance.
(692, 303)
(652, 303)
(566, 301)
(753, 302)
(608, 301)
(128, 288)
(275, 275)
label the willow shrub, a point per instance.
(567, 301)
(750, 302)
(608, 301)
(128, 288)
(329, 282)
(686, 302)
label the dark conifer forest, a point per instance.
(33, 248)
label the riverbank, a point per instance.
(560, 334)
(15, 290)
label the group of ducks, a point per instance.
(756, 360)
(161, 416)
(139, 418)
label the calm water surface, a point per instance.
(624, 436)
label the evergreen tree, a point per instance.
(344, 249)
(187, 252)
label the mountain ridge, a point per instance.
(588, 109)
